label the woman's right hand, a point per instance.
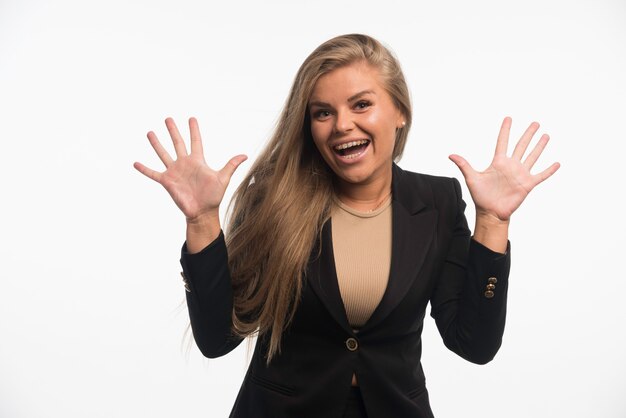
(195, 188)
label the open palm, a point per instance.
(195, 187)
(502, 187)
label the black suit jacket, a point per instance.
(433, 259)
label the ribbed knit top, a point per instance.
(362, 251)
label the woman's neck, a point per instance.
(364, 197)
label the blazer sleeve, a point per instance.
(469, 299)
(210, 298)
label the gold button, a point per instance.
(491, 286)
(492, 280)
(352, 344)
(488, 294)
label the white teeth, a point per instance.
(351, 144)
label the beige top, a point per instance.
(362, 251)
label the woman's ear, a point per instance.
(401, 120)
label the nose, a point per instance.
(343, 122)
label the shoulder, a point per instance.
(431, 189)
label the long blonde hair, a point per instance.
(278, 211)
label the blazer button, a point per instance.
(492, 280)
(488, 294)
(490, 286)
(352, 344)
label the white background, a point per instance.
(91, 321)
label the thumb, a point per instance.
(464, 166)
(232, 165)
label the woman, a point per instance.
(333, 252)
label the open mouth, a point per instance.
(351, 149)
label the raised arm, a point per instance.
(469, 301)
(198, 191)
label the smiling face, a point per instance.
(354, 123)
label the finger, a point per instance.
(503, 136)
(464, 166)
(547, 173)
(148, 172)
(232, 165)
(536, 152)
(522, 144)
(177, 139)
(158, 148)
(196, 139)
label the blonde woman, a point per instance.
(332, 251)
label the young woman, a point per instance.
(332, 251)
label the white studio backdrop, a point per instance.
(91, 321)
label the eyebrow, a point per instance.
(350, 99)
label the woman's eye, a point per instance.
(362, 105)
(321, 114)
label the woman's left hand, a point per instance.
(502, 187)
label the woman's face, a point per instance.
(354, 123)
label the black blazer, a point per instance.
(433, 259)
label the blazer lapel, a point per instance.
(322, 278)
(413, 226)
